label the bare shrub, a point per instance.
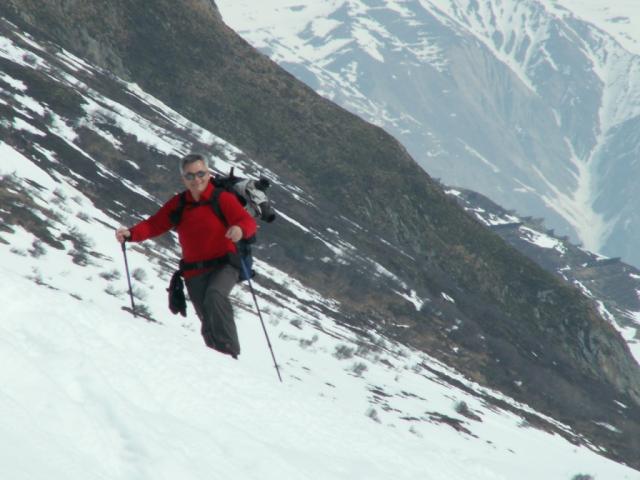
(372, 413)
(109, 276)
(359, 368)
(113, 291)
(343, 352)
(304, 343)
(83, 216)
(37, 249)
(139, 274)
(139, 294)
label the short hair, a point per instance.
(192, 158)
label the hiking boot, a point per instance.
(226, 349)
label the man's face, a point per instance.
(196, 178)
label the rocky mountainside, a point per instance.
(523, 101)
(613, 285)
(361, 222)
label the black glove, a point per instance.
(177, 301)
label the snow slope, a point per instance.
(91, 392)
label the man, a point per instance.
(204, 238)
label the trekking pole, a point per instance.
(247, 274)
(126, 266)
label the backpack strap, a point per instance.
(176, 215)
(215, 205)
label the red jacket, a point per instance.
(200, 232)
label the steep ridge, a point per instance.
(387, 243)
(613, 285)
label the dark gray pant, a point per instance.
(209, 293)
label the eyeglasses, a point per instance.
(191, 176)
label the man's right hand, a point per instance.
(122, 234)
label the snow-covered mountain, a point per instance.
(532, 103)
(92, 392)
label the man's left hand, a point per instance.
(234, 233)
